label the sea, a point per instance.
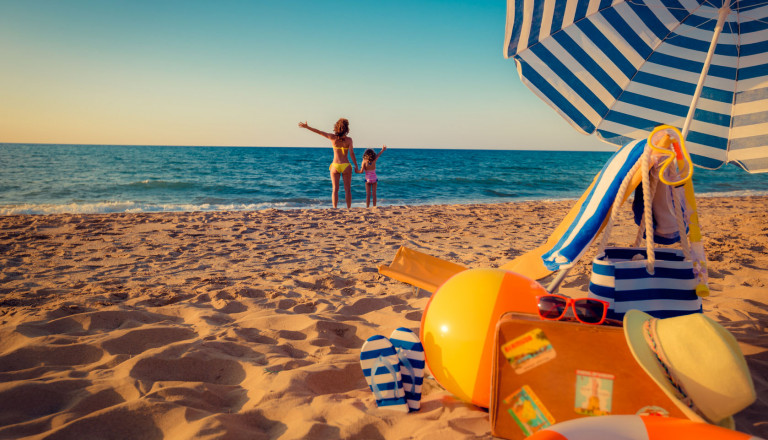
(49, 179)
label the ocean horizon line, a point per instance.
(608, 148)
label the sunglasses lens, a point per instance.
(589, 311)
(551, 307)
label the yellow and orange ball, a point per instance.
(459, 323)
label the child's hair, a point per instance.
(369, 155)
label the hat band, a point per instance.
(651, 338)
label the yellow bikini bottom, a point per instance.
(339, 167)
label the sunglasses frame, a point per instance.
(571, 302)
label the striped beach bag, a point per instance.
(620, 277)
(657, 281)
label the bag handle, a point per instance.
(648, 207)
(649, 189)
(615, 207)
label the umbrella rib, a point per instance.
(747, 15)
(755, 6)
(701, 24)
(706, 2)
(638, 3)
(679, 24)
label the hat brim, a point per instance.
(633, 331)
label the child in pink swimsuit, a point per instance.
(369, 168)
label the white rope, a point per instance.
(647, 212)
(641, 226)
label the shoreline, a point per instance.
(234, 323)
(250, 207)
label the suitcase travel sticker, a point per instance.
(528, 351)
(594, 393)
(528, 411)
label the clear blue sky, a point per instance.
(411, 74)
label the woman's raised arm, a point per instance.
(321, 133)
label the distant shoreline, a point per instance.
(357, 204)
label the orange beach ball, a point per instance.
(459, 323)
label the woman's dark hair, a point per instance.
(369, 154)
(341, 128)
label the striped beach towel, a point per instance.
(595, 208)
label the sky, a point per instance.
(408, 74)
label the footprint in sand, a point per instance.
(289, 351)
(54, 357)
(137, 341)
(228, 307)
(291, 335)
(30, 400)
(365, 305)
(305, 308)
(135, 419)
(331, 333)
(254, 335)
(206, 397)
(82, 323)
(196, 366)
(235, 349)
(285, 304)
(335, 380)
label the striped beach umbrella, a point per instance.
(619, 68)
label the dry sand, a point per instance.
(249, 324)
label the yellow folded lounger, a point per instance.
(419, 269)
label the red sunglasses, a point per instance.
(586, 310)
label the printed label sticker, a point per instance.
(528, 351)
(594, 393)
(528, 411)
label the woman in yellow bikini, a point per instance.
(342, 146)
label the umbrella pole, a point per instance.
(724, 11)
(697, 249)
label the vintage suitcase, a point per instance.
(546, 372)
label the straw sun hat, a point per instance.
(695, 361)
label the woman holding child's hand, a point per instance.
(340, 167)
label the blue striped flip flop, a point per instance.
(410, 352)
(381, 369)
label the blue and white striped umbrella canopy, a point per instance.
(621, 67)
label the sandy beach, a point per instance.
(249, 324)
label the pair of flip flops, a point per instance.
(394, 369)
